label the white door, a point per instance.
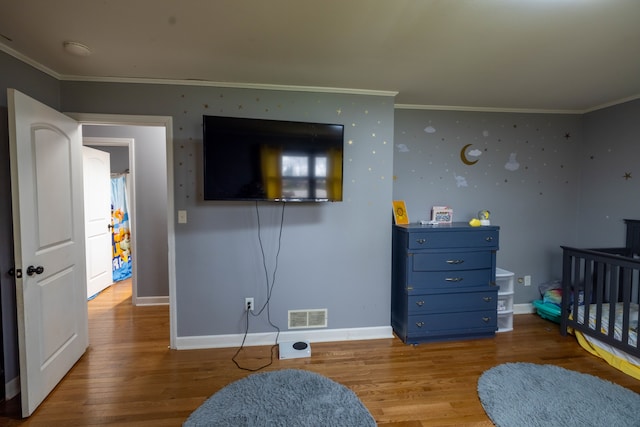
(48, 225)
(96, 165)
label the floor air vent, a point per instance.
(299, 319)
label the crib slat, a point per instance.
(612, 298)
(600, 280)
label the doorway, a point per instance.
(121, 152)
(122, 123)
(45, 330)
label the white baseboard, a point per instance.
(322, 335)
(526, 308)
(151, 301)
(268, 338)
(12, 388)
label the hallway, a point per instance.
(122, 376)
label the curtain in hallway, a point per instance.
(121, 237)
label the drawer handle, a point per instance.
(455, 261)
(487, 299)
(419, 324)
(486, 319)
(489, 239)
(421, 241)
(453, 279)
(419, 303)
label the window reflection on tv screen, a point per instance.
(256, 159)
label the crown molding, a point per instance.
(19, 56)
(317, 89)
(485, 109)
(207, 83)
(612, 103)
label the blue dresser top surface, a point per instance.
(458, 226)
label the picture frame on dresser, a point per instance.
(400, 215)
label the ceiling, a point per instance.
(547, 55)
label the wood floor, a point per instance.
(129, 377)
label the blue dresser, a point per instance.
(443, 282)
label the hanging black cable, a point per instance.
(269, 284)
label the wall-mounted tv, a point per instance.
(272, 160)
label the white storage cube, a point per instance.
(505, 280)
(505, 322)
(505, 303)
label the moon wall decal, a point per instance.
(463, 156)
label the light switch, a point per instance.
(182, 217)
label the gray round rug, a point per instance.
(527, 394)
(289, 397)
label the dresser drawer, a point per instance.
(440, 261)
(447, 280)
(450, 323)
(443, 303)
(453, 239)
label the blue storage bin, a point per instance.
(547, 311)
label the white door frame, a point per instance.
(167, 122)
(98, 141)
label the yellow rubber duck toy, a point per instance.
(475, 222)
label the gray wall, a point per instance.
(17, 75)
(611, 150)
(533, 199)
(333, 255)
(338, 255)
(118, 156)
(150, 203)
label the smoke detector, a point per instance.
(77, 49)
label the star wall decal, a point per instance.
(627, 176)
(567, 135)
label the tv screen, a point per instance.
(272, 160)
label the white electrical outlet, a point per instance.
(248, 304)
(527, 280)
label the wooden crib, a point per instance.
(600, 296)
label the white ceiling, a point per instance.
(560, 55)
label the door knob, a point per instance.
(31, 270)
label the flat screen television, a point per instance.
(272, 160)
